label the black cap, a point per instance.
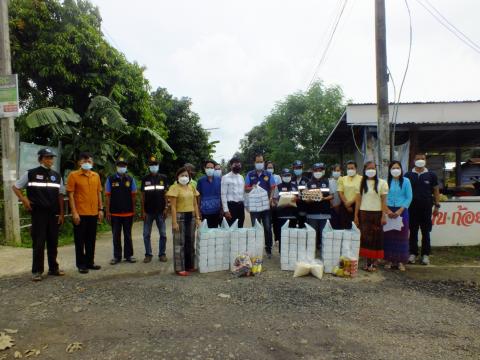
(121, 161)
(297, 163)
(318, 166)
(46, 152)
(152, 160)
(286, 172)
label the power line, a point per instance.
(452, 29)
(327, 47)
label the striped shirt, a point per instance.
(233, 189)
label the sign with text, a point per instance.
(9, 96)
(28, 158)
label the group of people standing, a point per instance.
(363, 199)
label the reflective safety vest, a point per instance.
(154, 188)
(43, 189)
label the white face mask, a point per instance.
(121, 170)
(183, 180)
(286, 179)
(209, 172)
(420, 163)
(154, 168)
(318, 174)
(86, 166)
(218, 173)
(270, 170)
(351, 172)
(371, 173)
(396, 172)
(336, 174)
(259, 166)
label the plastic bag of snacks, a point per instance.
(257, 264)
(348, 267)
(242, 266)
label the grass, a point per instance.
(456, 255)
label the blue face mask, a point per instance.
(153, 168)
(121, 170)
(298, 172)
(86, 166)
(259, 166)
(218, 173)
(270, 170)
(209, 172)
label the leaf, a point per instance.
(105, 111)
(51, 116)
(6, 341)
(158, 137)
(11, 331)
(76, 346)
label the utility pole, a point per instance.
(383, 127)
(9, 155)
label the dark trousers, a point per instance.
(119, 222)
(275, 220)
(301, 219)
(318, 225)
(85, 235)
(420, 218)
(265, 218)
(184, 242)
(44, 230)
(237, 210)
(279, 224)
(213, 220)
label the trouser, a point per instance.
(279, 225)
(213, 220)
(147, 232)
(264, 217)
(184, 242)
(420, 218)
(85, 235)
(318, 225)
(237, 210)
(301, 219)
(119, 223)
(44, 230)
(275, 220)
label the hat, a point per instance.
(318, 166)
(286, 172)
(46, 152)
(152, 160)
(297, 163)
(121, 161)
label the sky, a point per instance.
(236, 59)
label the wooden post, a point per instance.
(383, 127)
(9, 154)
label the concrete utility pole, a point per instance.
(383, 129)
(9, 155)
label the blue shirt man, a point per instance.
(210, 188)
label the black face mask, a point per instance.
(236, 169)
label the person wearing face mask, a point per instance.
(44, 201)
(154, 208)
(85, 198)
(232, 193)
(426, 194)
(348, 187)
(273, 208)
(398, 200)
(260, 177)
(301, 182)
(218, 171)
(185, 218)
(370, 215)
(209, 188)
(318, 212)
(336, 201)
(285, 213)
(120, 191)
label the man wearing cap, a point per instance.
(154, 208)
(287, 212)
(85, 197)
(260, 177)
(44, 201)
(209, 188)
(120, 191)
(318, 210)
(301, 182)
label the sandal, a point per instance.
(401, 267)
(388, 266)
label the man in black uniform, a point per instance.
(287, 212)
(154, 208)
(120, 191)
(300, 182)
(424, 185)
(44, 200)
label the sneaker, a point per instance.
(83, 270)
(94, 267)
(182, 273)
(388, 265)
(56, 272)
(37, 277)
(162, 258)
(425, 260)
(131, 260)
(114, 261)
(401, 267)
(147, 259)
(411, 259)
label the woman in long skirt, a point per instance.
(370, 209)
(398, 201)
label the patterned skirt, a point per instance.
(371, 234)
(184, 242)
(396, 242)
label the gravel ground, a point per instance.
(157, 315)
